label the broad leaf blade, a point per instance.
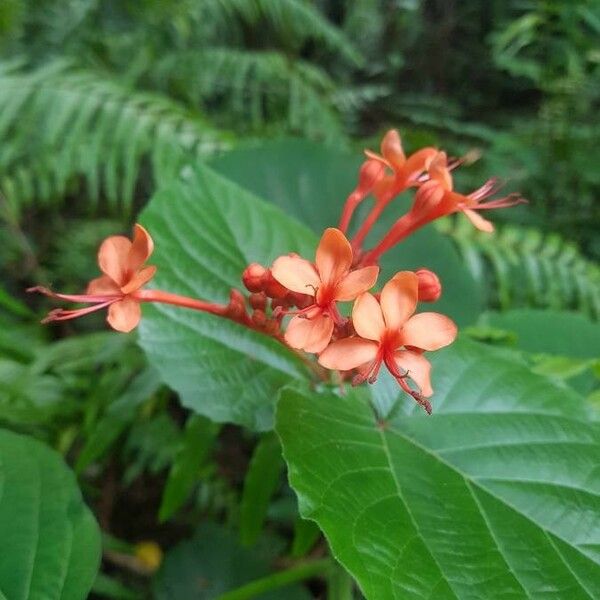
(206, 231)
(51, 542)
(497, 495)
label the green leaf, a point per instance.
(200, 434)
(206, 231)
(497, 495)
(311, 182)
(550, 331)
(50, 538)
(262, 480)
(306, 534)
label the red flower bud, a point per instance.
(258, 300)
(430, 288)
(371, 172)
(272, 287)
(259, 318)
(236, 308)
(254, 277)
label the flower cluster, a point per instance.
(305, 304)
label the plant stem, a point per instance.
(278, 580)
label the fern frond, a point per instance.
(58, 125)
(523, 267)
(294, 22)
(259, 88)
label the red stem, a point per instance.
(177, 300)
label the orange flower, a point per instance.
(389, 333)
(328, 281)
(437, 198)
(406, 171)
(122, 262)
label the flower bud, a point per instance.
(237, 304)
(430, 288)
(370, 174)
(258, 300)
(272, 287)
(259, 318)
(253, 277)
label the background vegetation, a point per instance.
(102, 102)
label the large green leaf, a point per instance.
(50, 540)
(311, 182)
(206, 231)
(497, 495)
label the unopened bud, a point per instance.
(370, 174)
(430, 288)
(253, 277)
(259, 318)
(272, 287)
(237, 304)
(258, 300)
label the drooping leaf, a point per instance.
(311, 182)
(51, 542)
(200, 434)
(497, 495)
(262, 479)
(206, 231)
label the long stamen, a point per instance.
(87, 298)
(401, 379)
(60, 314)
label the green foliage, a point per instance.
(492, 493)
(262, 480)
(59, 124)
(215, 558)
(198, 439)
(204, 241)
(51, 540)
(522, 267)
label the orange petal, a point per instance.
(367, 317)
(438, 171)
(348, 353)
(334, 256)
(124, 315)
(355, 283)
(479, 222)
(309, 334)
(141, 248)
(103, 286)
(399, 299)
(391, 149)
(141, 277)
(429, 331)
(418, 162)
(112, 257)
(296, 274)
(418, 367)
